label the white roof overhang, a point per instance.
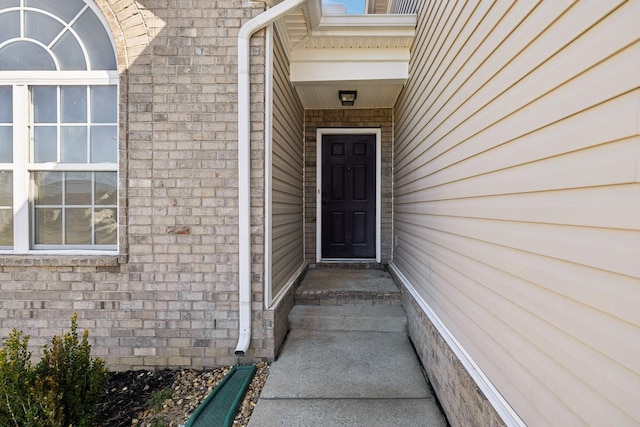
(367, 53)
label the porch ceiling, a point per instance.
(327, 52)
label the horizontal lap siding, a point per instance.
(287, 180)
(517, 198)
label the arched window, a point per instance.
(58, 128)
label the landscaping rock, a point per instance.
(140, 398)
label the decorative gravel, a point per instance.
(168, 398)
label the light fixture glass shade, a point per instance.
(347, 97)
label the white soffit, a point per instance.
(371, 94)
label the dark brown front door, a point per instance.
(348, 196)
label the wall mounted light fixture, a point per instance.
(347, 97)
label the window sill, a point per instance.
(61, 260)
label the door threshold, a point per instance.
(371, 264)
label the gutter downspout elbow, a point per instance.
(244, 165)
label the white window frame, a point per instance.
(22, 168)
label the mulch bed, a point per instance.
(127, 393)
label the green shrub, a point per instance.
(18, 406)
(60, 391)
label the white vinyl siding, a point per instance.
(287, 178)
(517, 198)
(402, 6)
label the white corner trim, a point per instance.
(504, 410)
(292, 280)
(268, 167)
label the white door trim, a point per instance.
(347, 131)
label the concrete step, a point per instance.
(335, 286)
(347, 297)
(379, 318)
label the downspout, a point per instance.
(244, 165)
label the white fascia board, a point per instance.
(355, 70)
(368, 21)
(391, 25)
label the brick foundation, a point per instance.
(462, 401)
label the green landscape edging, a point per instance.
(246, 374)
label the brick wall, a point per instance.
(348, 118)
(462, 401)
(170, 297)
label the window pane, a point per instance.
(66, 9)
(104, 144)
(6, 105)
(6, 208)
(69, 53)
(104, 104)
(106, 188)
(45, 104)
(44, 144)
(97, 41)
(6, 132)
(48, 223)
(73, 101)
(41, 27)
(6, 189)
(6, 144)
(78, 188)
(77, 228)
(106, 226)
(6, 227)
(9, 25)
(73, 144)
(76, 221)
(9, 3)
(48, 188)
(25, 55)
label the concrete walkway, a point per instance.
(342, 373)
